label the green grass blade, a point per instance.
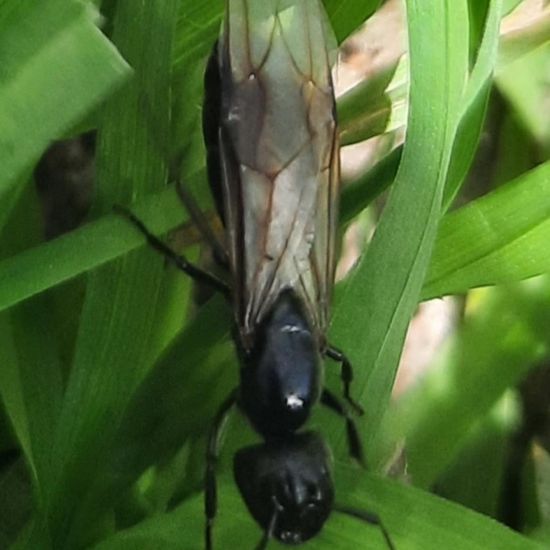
(506, 333)
(30, 382)
(90, 246)
(478, 16)
(13, 398)
(198, 27)
(465, 481)
(373, 311)
(56, 66)
(195, 374)
(118, 317)
(357, 195)
(510, 5)
(375, 106)
(16, 501)
(475, 103)
(501, 237)
(346, 15)
(30, 366)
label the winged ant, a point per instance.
(269, 125)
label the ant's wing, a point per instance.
(279, 155)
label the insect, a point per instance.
(269, 122)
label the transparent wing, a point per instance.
(279, 151)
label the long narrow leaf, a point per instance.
(85, 248)
(346, 15)
(30, 381)
(119, 311)
(505, 334)
(187, 385)
(474, 104)
(375, 307)
(56, 65)
(501, 237)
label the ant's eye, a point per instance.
(314, 493)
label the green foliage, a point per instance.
(107, 419)
(56, 67)
(499, 238)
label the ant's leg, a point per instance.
(179, 261)
(354, 444)
(268, 533)
(204, 226)
(346, 374)
(212, 454)
(367, 517)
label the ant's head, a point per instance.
(287, 485)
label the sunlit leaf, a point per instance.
(501, 237)
(373, 311)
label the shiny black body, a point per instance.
(281, 375)
(295, 473)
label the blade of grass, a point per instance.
(375, 305)
(478, 16)
(474, 104)
(85, 248)
(198, 27)
(195, 374)
(30, 369)
(13, 398)
(501, 237)
(30, 382)
(475, 476)
(365, 110)
(10, 199)
(16, 501)
(357, 195)
(376, 105)
(506, 334)
(56, 66)
(120, 306)
(347, 15)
